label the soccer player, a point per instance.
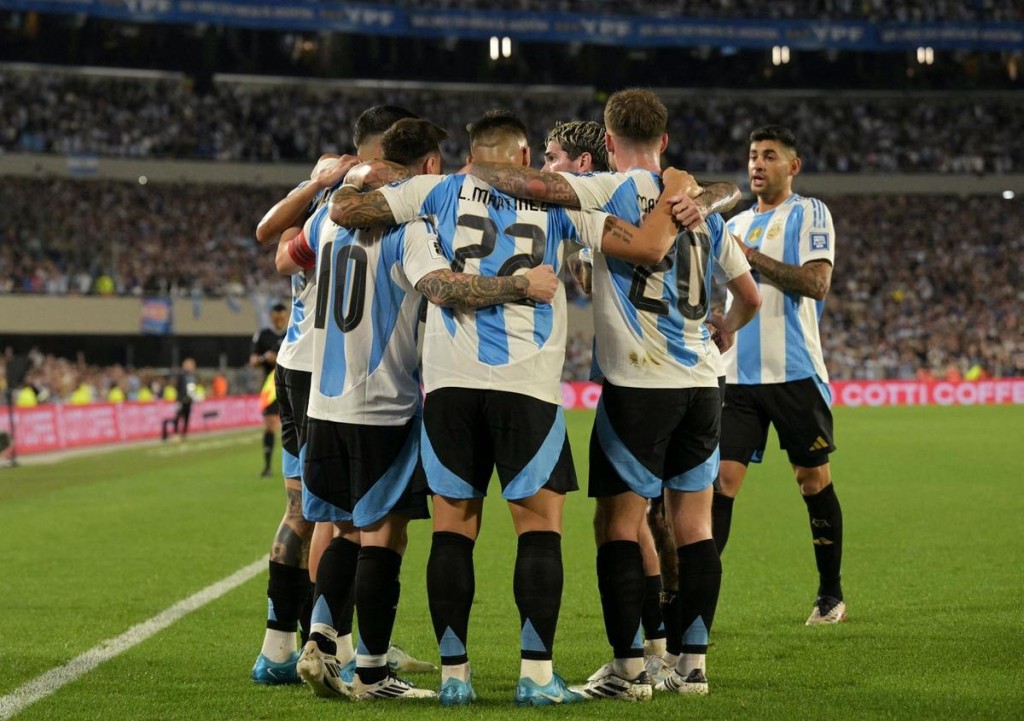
(575, 147)
(265, 344)
(364, 426)
(492, 378)
(657, 424)
(775, 372)
(289, 589)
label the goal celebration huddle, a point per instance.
(423, 355)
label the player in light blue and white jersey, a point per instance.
(493, 395)
(657, 423)
(775, 373)
(290, 592)
(364, 411)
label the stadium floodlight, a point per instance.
(506, 47)
(494, 47)
(1008, 195)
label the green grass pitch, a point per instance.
(933, 574)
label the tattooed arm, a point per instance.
(649, 243)
(523, 182)
(352, 209)
(468, 292)
(812, 279)
(718, 198)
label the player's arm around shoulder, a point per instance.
(656, 235)
(397, 199)
(293, 209)
(525, 182)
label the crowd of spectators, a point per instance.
(166, 118)
(921, 283)
(52, 379)
(873, 10)
(118, 238)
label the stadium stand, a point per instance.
(901, 302)
(165, 118)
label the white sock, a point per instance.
(459, 671)
(654, 647)
(628, 668)
(689, 661)
(278, 645)
(540, 672)
(671, 659)
(371, 661)
(345, 650)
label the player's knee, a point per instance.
(813, 481)
(730, 478)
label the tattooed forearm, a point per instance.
(719, 198)
(523, 182)
(352, 209)
(467, 292)
(618, 230)
(812, 279)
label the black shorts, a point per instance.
(797, 409)
(362, 473)
(467, 432)
(293, 399)
(648, 439)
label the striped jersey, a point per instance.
(365, 320)
(297, 349)
(649, 327)
(782, 343)
(516, 347)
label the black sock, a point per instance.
(335, 581)
(307, 609)
(537, 585)
(654, 624)
(451, 584)
(721, 519)
(620, 579)
(700, 579)
(377, 592)
(287, 590)
(268, 448)
(827, 531)
(672, 613)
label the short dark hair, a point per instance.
(581, 136)
(636, 114)
(410, 139)
(375, 120)
(495, 123)
(779, 133)
(278, 307)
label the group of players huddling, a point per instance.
(376, 241)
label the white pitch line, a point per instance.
(54, 679)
